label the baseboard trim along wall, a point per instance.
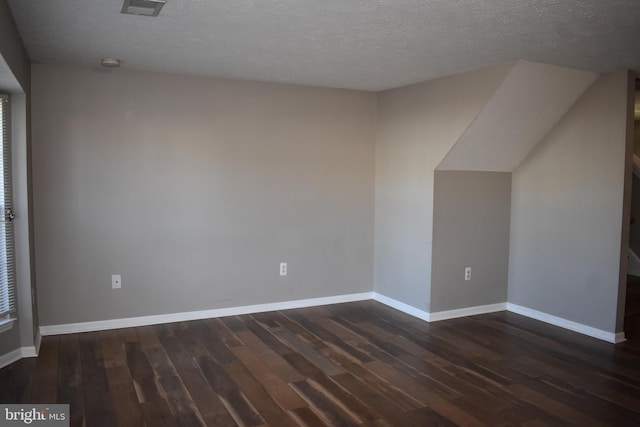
(405, 308)
(611, 337)
(467, 311)
(614, 338)
(438, 315)
(17, 354)
(103, 325)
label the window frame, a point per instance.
(10, 316)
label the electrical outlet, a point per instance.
(283, 268)
(467, 274)
(116, 281)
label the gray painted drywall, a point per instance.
(526, 106)
(417, 125)
(12, 49)
(9, 340)
(471, 220)
(16, 74)
(195, 190)
(567, 211)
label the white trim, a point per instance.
(439, 315)
(17, 354)
(467, 311)
(29, 351)
(619, 337)
(38, 341)
(9, 358)
(406, 308)
(564, 323)
(101, 325)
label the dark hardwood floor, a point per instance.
(340, 365)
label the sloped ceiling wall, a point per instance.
(527, 105)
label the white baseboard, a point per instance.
(29, 351)
(467, 311)
(439, 315)
(491, 308)
(567, 324)
(285, 305)
(17, 354)
(9, 358)
(102, 325)
(405, 308)
(38, 341)
(619, 337)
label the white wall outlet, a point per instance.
(283, 268)
(116, 281)
(467, 273)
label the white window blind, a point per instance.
(7, 268)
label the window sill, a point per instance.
(6, 324)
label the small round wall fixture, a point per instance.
(110, 62)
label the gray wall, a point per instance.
(567, 212)
(471, 220)
(11, 48)
(18, 78)
(417, 126)
(194, 190)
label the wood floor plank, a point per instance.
(98, 407)
(165, 369)
(111, 349)
(376, 401)
(142, 374)
(328, 409)
(16, 380)
(353, 364)
(328, 337)
(401, 399)
(417, 389)
(233, 398)
(318, 359)
(268, 408)
(70, 384)
(126, 407)
(148, 337)
(220, 331)
(156, 413)
(329, 387)
(306, 417)
(210, 406)
(45, 377)
(275, 361)
(276, 386)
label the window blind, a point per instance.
(7, 267)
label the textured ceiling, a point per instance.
(358, 44)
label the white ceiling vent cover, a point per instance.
(143, 7)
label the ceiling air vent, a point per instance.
(143, 7)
